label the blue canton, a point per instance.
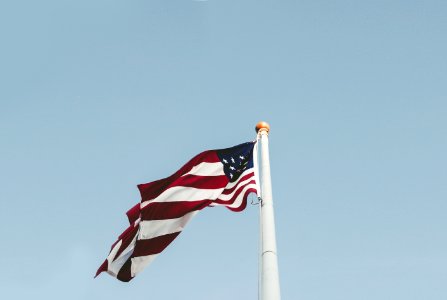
(236, 159)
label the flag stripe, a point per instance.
(153, 189)
(180, 193)
(139, 263)
(233, 185)
(102, 268)
(154, 228)
(190, 181)
(171, 210)
(124, 273)
(207, 169)
(117, 263)
(126, 240)
(224, 196)
(244, 202)
(241, 198)
(230, 201)
(202, 182)
(134, 213)
(142, 249)
(154, 245)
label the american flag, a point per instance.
(223, 177)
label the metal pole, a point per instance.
(269, 270)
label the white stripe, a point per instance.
(115, 266)
(181, 193)
(207, 169)
(114, 251)
(140, 262)
(238, 201)
(231, 184)
(229, 196)
(154, 228)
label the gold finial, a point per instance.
(262, 126)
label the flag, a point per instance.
(223, 177)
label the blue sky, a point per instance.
(99, 96)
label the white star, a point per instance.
(232, 168)
(231, 175)
(232, 159)
(241, 157)
(225, 161)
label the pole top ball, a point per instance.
(262, 126)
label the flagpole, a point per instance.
(269, 263)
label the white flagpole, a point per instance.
(269, 263)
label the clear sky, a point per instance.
(99, 96)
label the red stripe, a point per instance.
(171, 210)
(244, 201)
(133, 214)
(126, 238)
(245, 177)
(154, 245)
(201, 182)
(143, 248)
(102, 268)
(153, 189)
(124, 274)
(235, 195)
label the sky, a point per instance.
(99, 96)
